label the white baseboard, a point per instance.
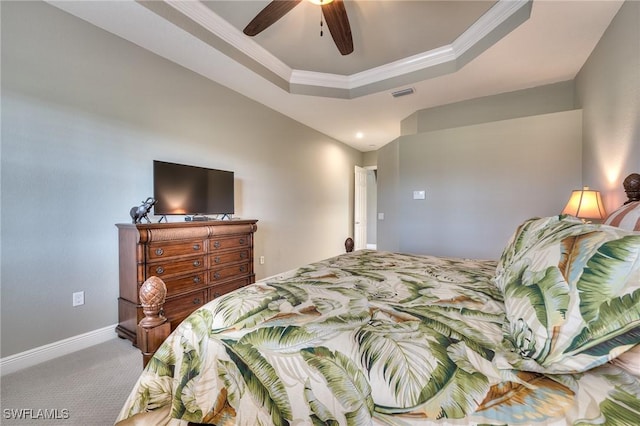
(13, 363)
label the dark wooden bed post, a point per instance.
(154, 328)
(632, 187)
(348, 245)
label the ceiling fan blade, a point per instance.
(270, 14)
(338, 23)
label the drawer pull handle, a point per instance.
(196, 301)
(243, 268)
(243, 241)
(159, 252)
(216, 294)
(196, 263)
(217, 259)
(160, 270)
(243, 255)
(216, 244)
(196, 279)
(216, 275)
(196, 247)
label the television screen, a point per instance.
(190, 190)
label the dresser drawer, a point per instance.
(191, 258)
(220, 259)
(224, 243)
(162, 250)
(224, 273)
(177, 309)
(219, 290)
(162, 269)
(181, 285)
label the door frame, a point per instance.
(360, 206)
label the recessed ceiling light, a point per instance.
(359, 135)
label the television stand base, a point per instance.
(196, 218)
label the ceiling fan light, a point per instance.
(320, 2)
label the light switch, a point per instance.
(380, 216)
(419, 195)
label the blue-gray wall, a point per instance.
(608, 90)
(457, 154)
(84, 113)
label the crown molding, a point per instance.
(213, 23)
(203, 23)
(428, 64)
(500, 13)
(346, 86)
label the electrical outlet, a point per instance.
(262, 260)
(78, 298)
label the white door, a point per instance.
(360, 209)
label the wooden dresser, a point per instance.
(198, 261)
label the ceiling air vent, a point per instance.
(403, 92)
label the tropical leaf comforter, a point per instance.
(374, 337)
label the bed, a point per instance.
(546, 335)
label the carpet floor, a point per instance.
(87, 387)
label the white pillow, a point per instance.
(629, 361)
(626, 217)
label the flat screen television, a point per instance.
(180, 189)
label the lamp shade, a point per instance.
(585, 203)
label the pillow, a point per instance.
(530, 233)
(629, 361)
(572, 294)
(626, 217)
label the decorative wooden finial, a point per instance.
(152, 294)
(348, 245)
(632, 187)
(154, 328)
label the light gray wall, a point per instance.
(370, 158)
(482, 180)
(388, 237)
(608, 90)
(522, 103)
(84, 113)
(486, 165)
(372, 207)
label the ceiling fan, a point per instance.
(333, 11)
